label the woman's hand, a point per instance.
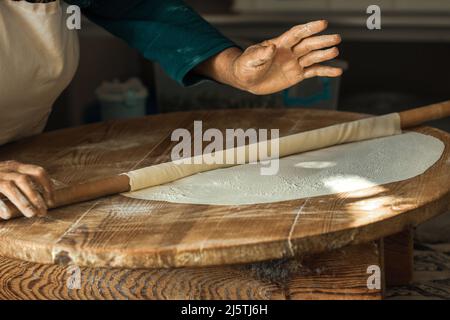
(27, 186)
(279, 63)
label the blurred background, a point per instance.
(403, 65)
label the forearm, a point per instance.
(220, 67)
(165, 31)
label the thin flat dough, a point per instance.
(358, 130)
(345, 168)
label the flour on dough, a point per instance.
(344, 168)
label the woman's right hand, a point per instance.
(27, 186)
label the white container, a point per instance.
(122, 100)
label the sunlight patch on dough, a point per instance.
(316, 164)
(346, 183)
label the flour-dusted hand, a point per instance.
(279, 63)
(27, 186)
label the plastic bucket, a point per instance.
(122, 100)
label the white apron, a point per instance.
(38, 59)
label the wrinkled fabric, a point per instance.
(165, 31)
(38, 59)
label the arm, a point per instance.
(189, 49)
(165, 31)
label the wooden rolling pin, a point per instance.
(121, 183)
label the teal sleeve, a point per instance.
(165, 31)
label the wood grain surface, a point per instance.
(399, 258)
(128, 233)
(339, 274)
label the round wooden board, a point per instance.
(121, 232)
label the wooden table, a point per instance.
(319, 247)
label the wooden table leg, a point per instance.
(340, 274)
(352, 272)
(398, 258)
